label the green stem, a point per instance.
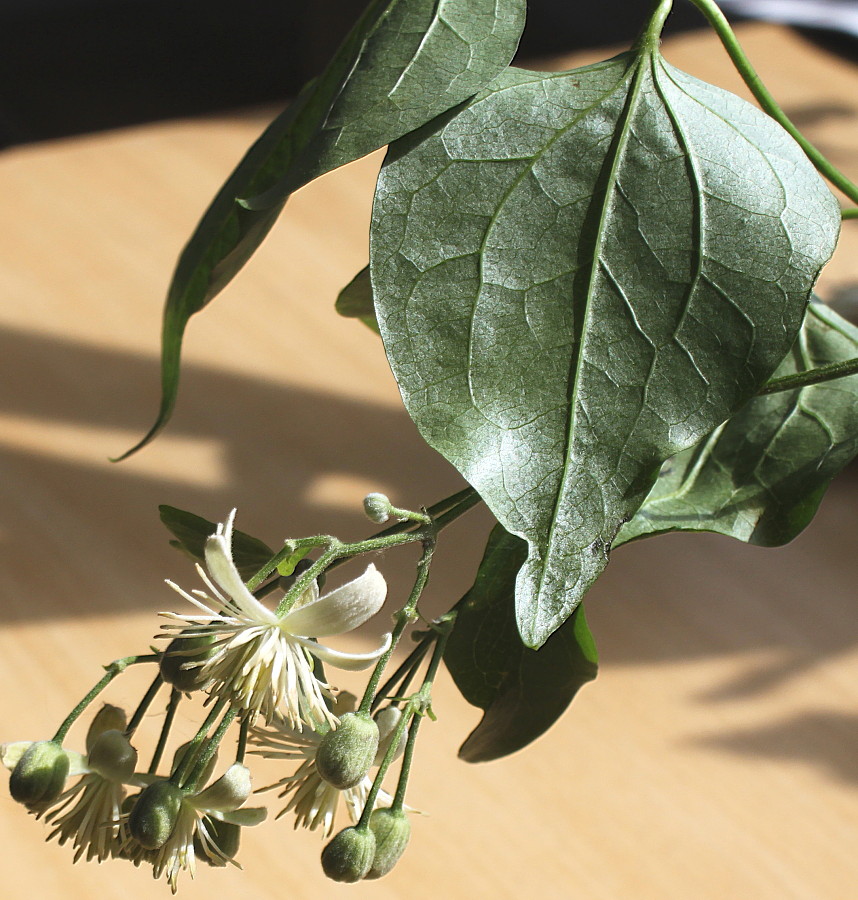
(180, 774)
(404, 618)
(144, 705)
(243, 733)
(414, 709)
(192, 783)
(172, 706)
(289, 548)
(410, 663)
(851, 213)
(651, 35)
(810, 377)
(117, 667)
(722, 27)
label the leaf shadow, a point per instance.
(825, 740)
(55, 491)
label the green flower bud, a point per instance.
(181, 652)
(221, 844)
(346, 754)
(377, 508)
(392, 831)
(113, 757)
(108, 718)
(155, 814)
(349, 855)
(40, 775)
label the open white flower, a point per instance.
(314, 801)
(193, 830)
(263, 662)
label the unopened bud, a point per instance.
(181, 662)
(346, 754)
(377, 508)
(155, 814)
(113, 756)
(221, 844)
(40, 775)
(349, 855)
(392, 831)
(108, 718)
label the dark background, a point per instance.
(73, 66)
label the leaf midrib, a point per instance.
(610, 186)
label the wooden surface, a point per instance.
(716, 756)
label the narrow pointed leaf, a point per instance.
(355, 300)
(760, 476)
(580, 274)
(522, 691)
(191, 532)
(404, 62)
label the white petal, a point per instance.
(252, 815)
(222, 569)
(351, 662)
(343, 609)
(227, 793)
(11, 753)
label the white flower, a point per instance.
(263, 662)
(314, 801)
(220, 801)
(89, 812)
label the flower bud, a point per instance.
(377, 508)
(221, 844)
(392, 831)
(155, 814)
(40, 775)
(108, 718)
(113, 757)
(179, 662)
(345, 754)
(349, 855)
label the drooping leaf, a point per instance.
(580, 274)
(522, 691)
(404, 62)
(249, 553)
(355, 300)
(759, 477)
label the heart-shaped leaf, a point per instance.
(579, 275)
(522, 691)
(404, 62)
(759, 477)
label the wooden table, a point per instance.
(715, 757)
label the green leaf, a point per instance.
(355, 300)
(522, 691)
(404, 62)
(759, 477)
(579, 275)
(249, 553)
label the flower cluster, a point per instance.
(253, 663)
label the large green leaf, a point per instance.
(404, 62)
(759, 477)
(522, 691)
(579, 275)
(190, 530)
